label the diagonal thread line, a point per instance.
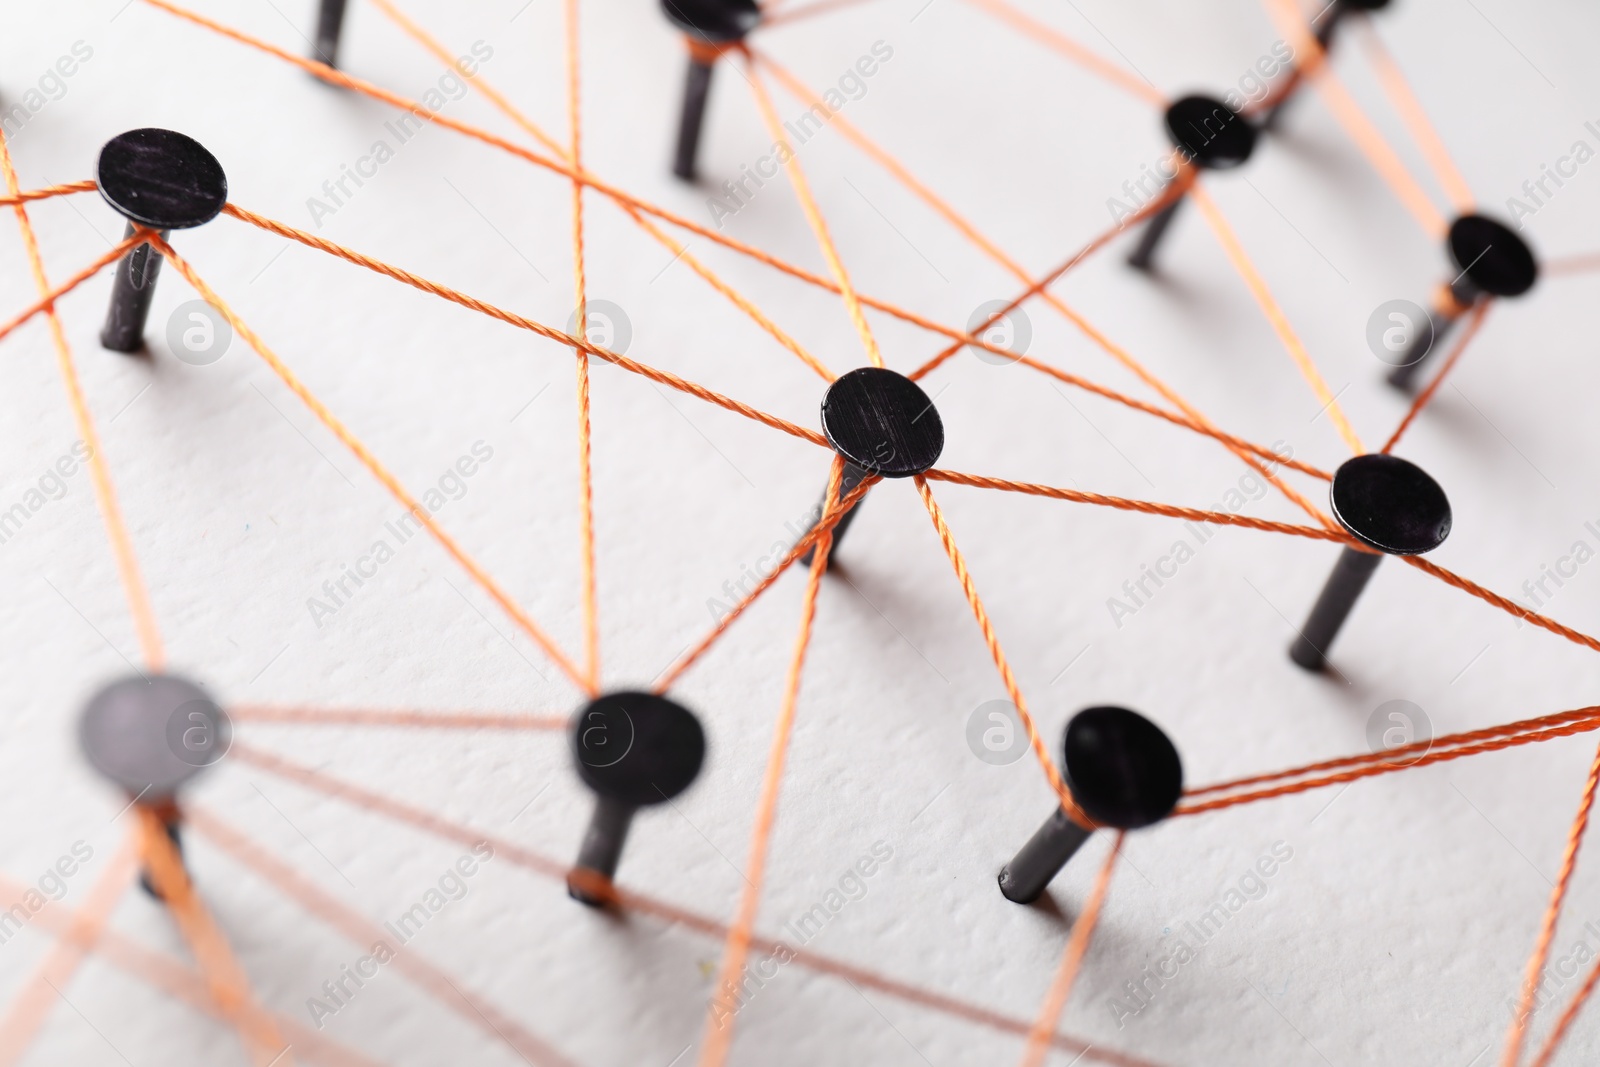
(1471, 330)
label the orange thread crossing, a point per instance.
(362, 931)
(679, 251)
(591, 624)
(1552, 912)
(1356, 124)
(225, 978)
(1055, 1001)
(1066, 46)
(1568, 1016)
(1416, 119)
(689, 658)
(32, 1005)
(379, 471)
(1274, 313)
(1222, 518)
(718, 1036)
(483, 307)
(1426, 395)
(48, 301)
(1035, 740)
(144, 617)
(802, 192)
(446, 720)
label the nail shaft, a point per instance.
(1023, 880)
(696, 88)
(1350, 576)
(330, 26)
(848, 480)
(131, 293)
(1150, 240)
(602, 844)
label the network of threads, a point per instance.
(221, 987)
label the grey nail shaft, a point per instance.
(1350, 576)
(602, 843)
(1154, 230)
(330, 25)
(1047, 851)
(848, 481)
(1324, 36)
(696, 88)
(1463, 294)
(131, 293)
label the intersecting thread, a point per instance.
(1552, 912)
(48, 301)
(378, 470)
(970, 589)
(826, 523)
(1145, 506)
(1356, 124)
(1071, 963)
(134, 588)
(483, 307)
(802, 192)
(224, 977)
(718, 1037)
(1467, 333)
(628, 901)
(1274, 313)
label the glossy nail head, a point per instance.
(632, 750)
(1388, 504)
(150, 736)
(164, 181)
(883, 424)
(1322, 28)
(1208, 134)
(1121, 769)
(1490, 260)
(330, 26)
(709, 26)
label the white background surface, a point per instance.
(1395, 935)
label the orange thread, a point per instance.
(1570, 264)
(466, 720)
(1055, 1002)
(1060, 42)
(718, 1036)
(821, 7)
(802, 191)
(1035, 740)
(19, 197)
(1426, 395)
(1274, 313)
(31, 1006)
(1568, 1016)
(1508, 606)
(591, 623)
(1399, 753)
(1146, 507)
(364, 932)
(48, 301)
(505, 107)
(689, 658)
(1416, 119)
(1552, 912)
(1356, 124)
(485, 308)
(379, 471)
(144, 618)
(225, 978)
